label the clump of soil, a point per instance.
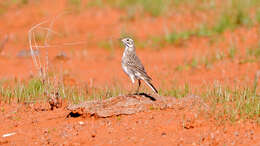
(130, 104)
(55, 101)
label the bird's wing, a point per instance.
(135, 65)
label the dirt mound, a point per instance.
(130, 104)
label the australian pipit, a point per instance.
(132, 65)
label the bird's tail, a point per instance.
(151, 86)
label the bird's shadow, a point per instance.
(145, 95)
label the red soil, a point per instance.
(165, 127)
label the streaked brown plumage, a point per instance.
(132, 65)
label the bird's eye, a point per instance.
(127, 39)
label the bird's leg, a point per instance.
(132, 85)
(139, 84)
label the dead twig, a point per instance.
(30, 35)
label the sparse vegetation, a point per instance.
(109, 46)
(226, 103)
(232, 104)
(36, 90)
(178, 92)
(254, 52)
(207, 61)
(258, 15)
(74, 5)
(232, 52)
(252, 55)
(4, 5)
(202, 55)
(232, 14)
(95, 3)
(154, 8)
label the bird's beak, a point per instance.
(123, 41)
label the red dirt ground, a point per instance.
(164, 127)
(90, 63)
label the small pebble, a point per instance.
(8, 134)
(236, 133)
(81, 123)
(163, 134)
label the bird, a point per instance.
(133, 66)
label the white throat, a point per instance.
(129, 48)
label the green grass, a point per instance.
(133, 7)
(226, 103)
(252, 55)
(233, 104)
(154, 8)
(175, 91)
(74, 6)
(229, 16)
(95, 3)
(233, 14)
(6, 4)
(258, 15)
(254, 52)
(232, 52)
(191, 64)
(225, 22)
(21, 92)
(231, 20)
(36, 90)
(176, 38)
(207, 60)
(75, 3)
(179, 2)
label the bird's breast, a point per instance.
(125, 68)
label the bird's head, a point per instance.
(128, 42)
